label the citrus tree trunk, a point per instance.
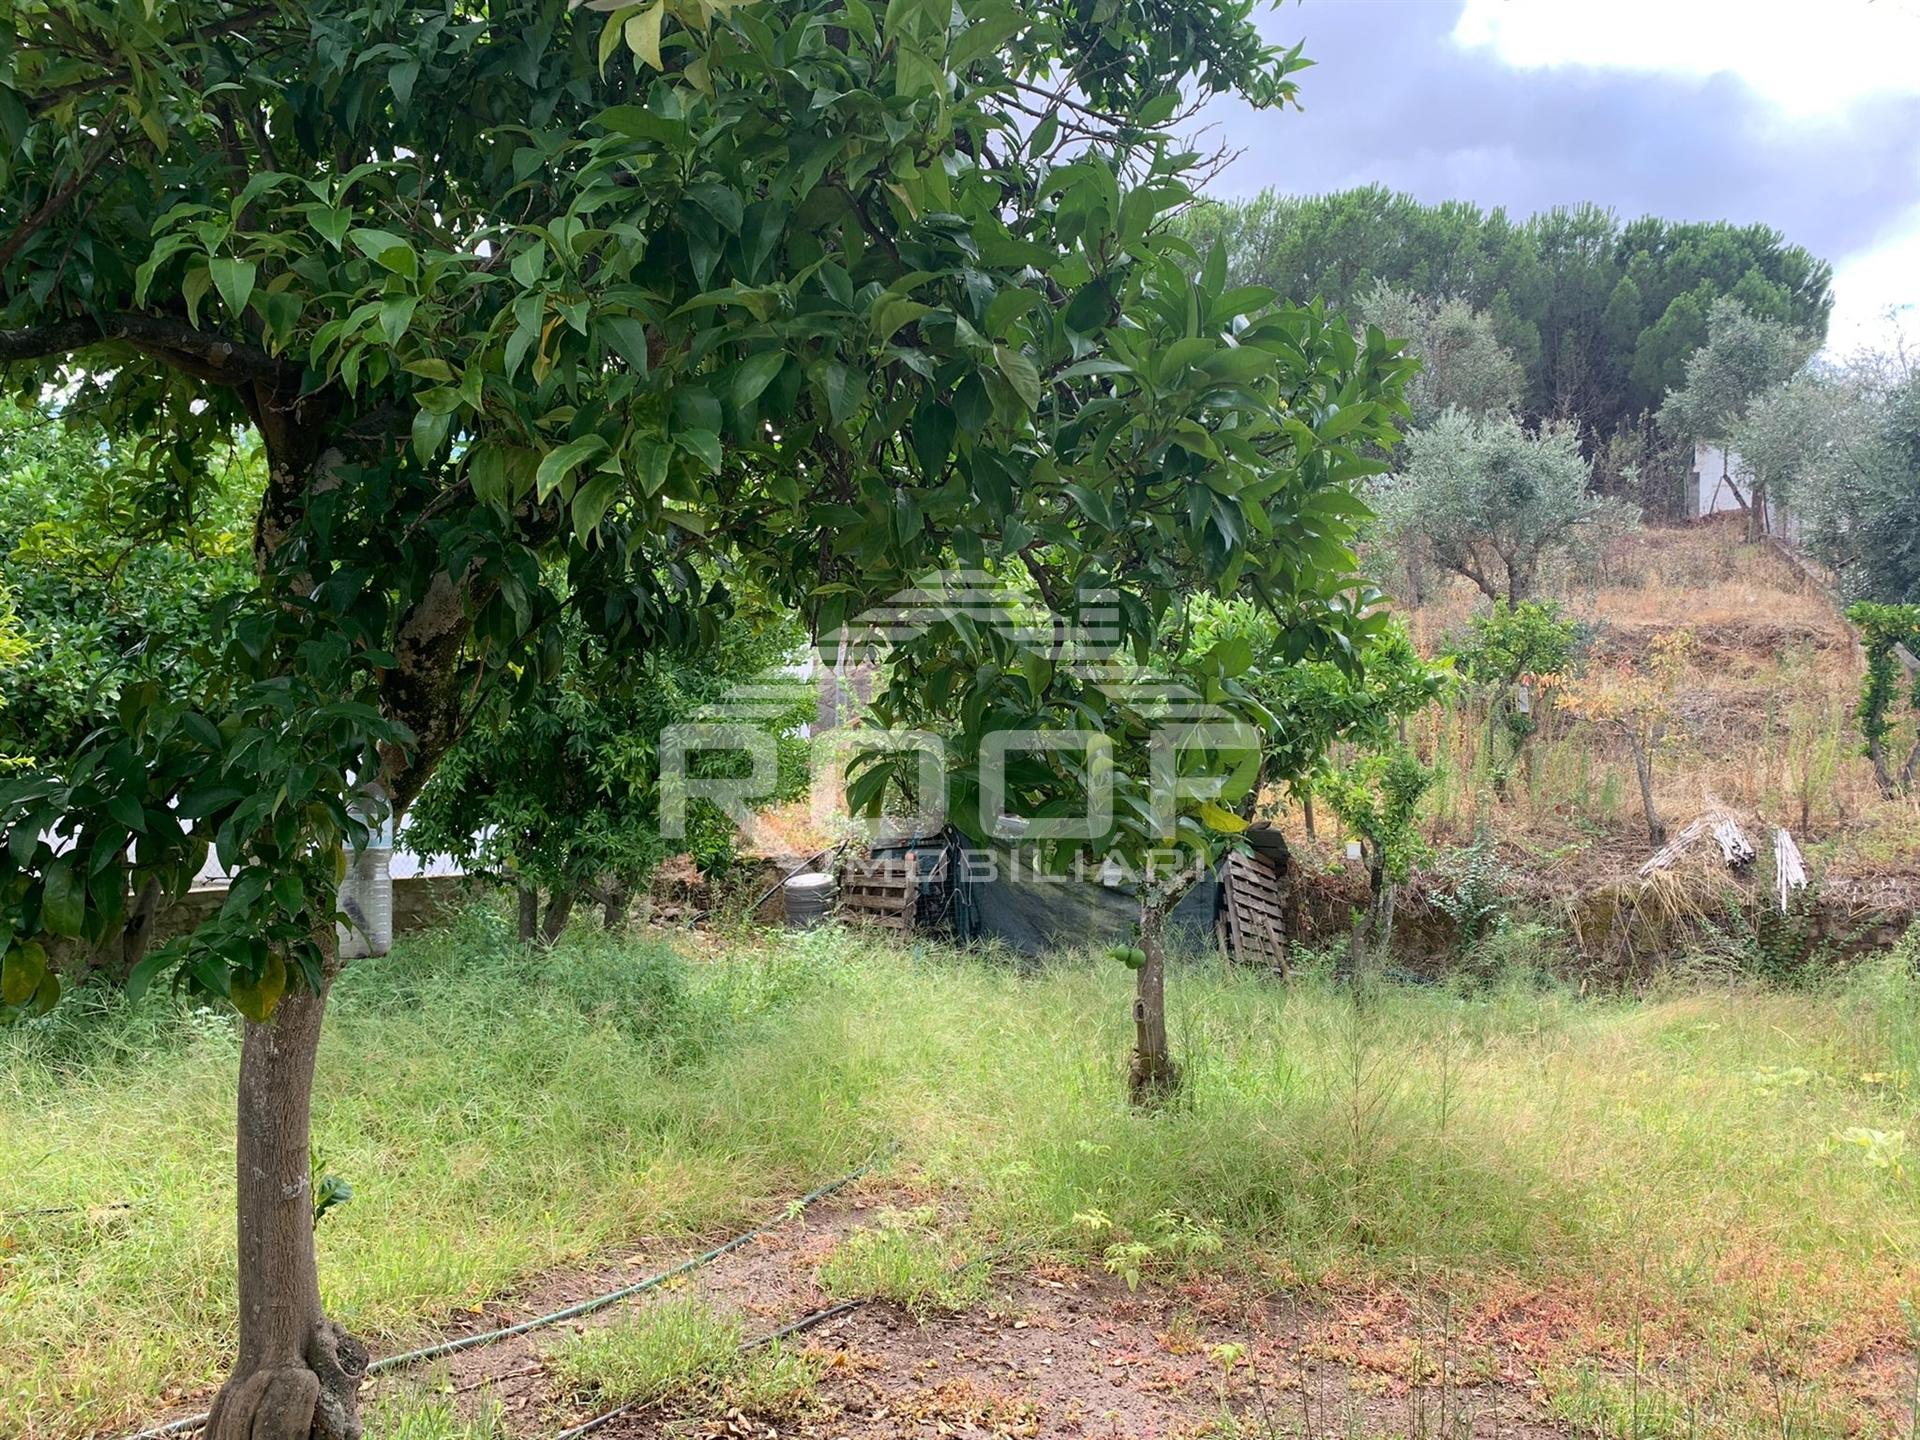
(1153, 1075)
(1373, 931)
(618, 902)
(529, 914)
(559, 909)
(297, 1375)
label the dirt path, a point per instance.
(1050, 1351)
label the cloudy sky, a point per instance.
(1804, 115)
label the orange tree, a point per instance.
(1218, 456)
(638, 296)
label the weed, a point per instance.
(680, 1348)
(905, 1261)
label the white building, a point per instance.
(1720, 482)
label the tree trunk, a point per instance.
(1643, 769)
(1306, 811)
(1374, 931)
(559, 907)
(613, 915)
(1910, 772)
(1153, 1076)
(529, 914)
(139, 931)
(297, 1376)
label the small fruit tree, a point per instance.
(1637, 704)
(1214, 452)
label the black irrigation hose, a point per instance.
(805, 1322)
(584, 1307)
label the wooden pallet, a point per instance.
(1255, 911)
(886, 892)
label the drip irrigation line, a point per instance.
(67, 1210)
(805, 1322)
(584, 1307)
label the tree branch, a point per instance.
(57, 198)
(204, 354)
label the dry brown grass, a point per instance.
(1765, 720)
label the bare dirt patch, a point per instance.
(1053, 1350)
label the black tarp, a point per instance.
(1001, 896)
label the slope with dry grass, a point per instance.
(1762, 730)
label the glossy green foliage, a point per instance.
(106, 588)
(558, 786)
(1508, 643)
(1312, 705)
(542, 311)
(1377, 798)
(1889, 687)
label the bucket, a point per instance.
(809, 899)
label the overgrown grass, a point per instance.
(681, 1347)
(906, 1261)
(1687, 1174)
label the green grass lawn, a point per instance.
(1711, 1183)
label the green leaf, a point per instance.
(234, 280)
(643, 34)
(844, 389)
(628, 337)
(396, 313)
(21, 972)
(652, 463)
(890, 312)
(63, 898)
(558, 464)
(591, 501)
(257, 999)
(331, 223)
(142, 974)
(401, 78)
(386, 250)
(756, 372)
(126, 808)
(703, 445)
(429, 433)
(45, 995)
(1218, 817)
(529, 265)
(1020, 373)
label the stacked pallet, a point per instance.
(886, 890)
(1253, 911)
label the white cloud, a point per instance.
(1811, 64)
(1867, 285)
(1808, 60)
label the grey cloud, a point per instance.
(1393, 100)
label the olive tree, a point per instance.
(528, 290)
(1745, 356)
(1463, 365)
(1490, 500)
